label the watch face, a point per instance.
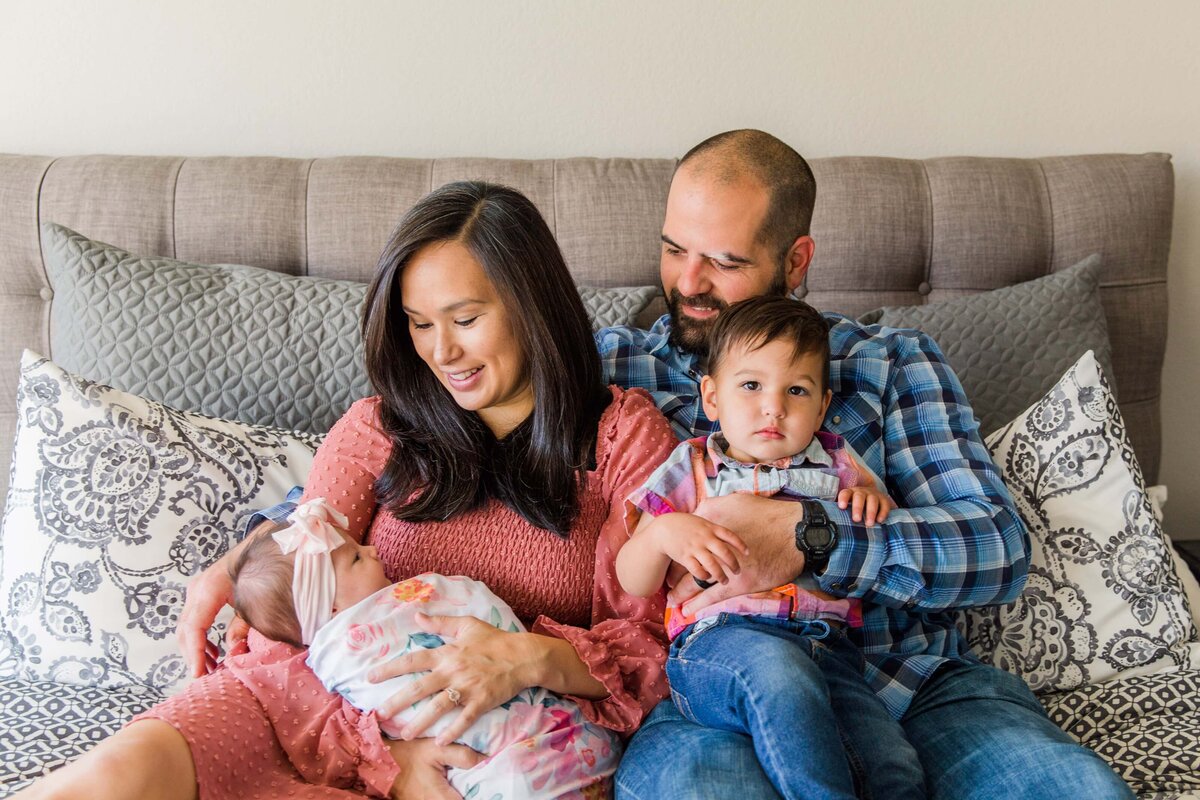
(818, 538)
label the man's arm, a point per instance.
(954, 541)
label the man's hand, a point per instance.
(767, 528)
(423, 764)
(706, 550)
(869, 505)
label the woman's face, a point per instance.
(463, 331)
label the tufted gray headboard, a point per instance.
(888, 231)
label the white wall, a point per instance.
(545, 79)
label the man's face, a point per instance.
(712, 255)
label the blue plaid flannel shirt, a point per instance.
(955, 541)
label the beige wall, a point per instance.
(538, 79)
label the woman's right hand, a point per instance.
(423, 767)
(207, 594)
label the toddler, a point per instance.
(310, 584)
(764, 663)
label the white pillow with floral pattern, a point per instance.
(115, 503)
(1103, 598)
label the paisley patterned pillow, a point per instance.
(115, 503)
(1103, 599)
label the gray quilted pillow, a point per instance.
(1010, 345)
(609, 308)
(229, 341)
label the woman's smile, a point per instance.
(463, 331)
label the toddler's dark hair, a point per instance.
(262, 589)
(755, 322)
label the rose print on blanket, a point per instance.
(538, 745)
(413, 590)
(564, 756)
(366, 637)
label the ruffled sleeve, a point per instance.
(327, 740)
(347, 463)
(626, 647)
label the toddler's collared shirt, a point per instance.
(702, 467)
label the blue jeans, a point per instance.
(763, 678)
(979, 732)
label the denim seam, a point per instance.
(769, 744)
(858, 768)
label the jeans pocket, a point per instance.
(681, 703)
(693, 632)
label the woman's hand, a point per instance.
(207, 594)
(423, 765)
(483, 666)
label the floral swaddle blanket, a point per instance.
(539, 745)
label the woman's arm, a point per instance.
(344, 470)
(626, 646)
(484, 667)
(207, 594)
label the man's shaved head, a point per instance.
(739, 155)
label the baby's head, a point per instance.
(262, 578)
(768, 377)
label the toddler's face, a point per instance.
(768, 404)
(359, 574)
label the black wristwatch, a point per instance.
(816, 536)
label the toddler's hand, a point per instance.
(867, 504)
(705, 549)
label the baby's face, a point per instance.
(359, 574)
(768, 404)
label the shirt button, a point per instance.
(836, 586)
(837, 420)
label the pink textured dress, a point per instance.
(262, 726)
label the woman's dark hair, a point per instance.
(445, 460)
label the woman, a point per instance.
(493, 450)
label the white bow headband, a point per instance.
(313, 539)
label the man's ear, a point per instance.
(708, 397)
(797, 260)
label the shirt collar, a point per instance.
(814, 454)
(658, 344)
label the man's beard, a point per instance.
(688, 334)
(691, 335)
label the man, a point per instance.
(736, 226)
